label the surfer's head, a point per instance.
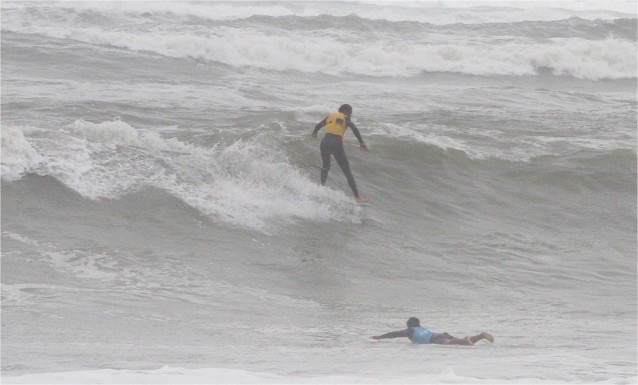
(413, 322)
(346, 109)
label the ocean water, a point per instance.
(163, 220)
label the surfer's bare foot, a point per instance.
(361, 199)
(487, 336)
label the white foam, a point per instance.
(249, 183)
(576, 57)
(482, 143)
(176, 375)
(20, 238)
(433, 12)
(254, 184)
(18, 156)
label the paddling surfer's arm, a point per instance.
(401, 333)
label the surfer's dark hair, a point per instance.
(346, 109)
(413, 322)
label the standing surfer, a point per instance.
(332, 145)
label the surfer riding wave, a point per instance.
(332, 145)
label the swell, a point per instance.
(421, 13)
(596, 52)
(565, 193)
(252, 185)
(554, 223)
(573, 27)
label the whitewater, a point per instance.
(163, 221)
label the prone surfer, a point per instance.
(421, 335)
(332, 145)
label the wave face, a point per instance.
(161, 205)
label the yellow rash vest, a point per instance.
(336, 124)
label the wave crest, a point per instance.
(249, 183)
(315, 53)
(18, 156)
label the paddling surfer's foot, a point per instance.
(488, 337)
(361, 199)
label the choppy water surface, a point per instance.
(162, 216)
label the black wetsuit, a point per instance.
(333, 145)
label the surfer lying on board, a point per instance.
(332, 145)
(420, 335)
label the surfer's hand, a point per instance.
(363, 146)
(314, 134)
(375, 337)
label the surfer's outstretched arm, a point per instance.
(397, 334)
(356, 132)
